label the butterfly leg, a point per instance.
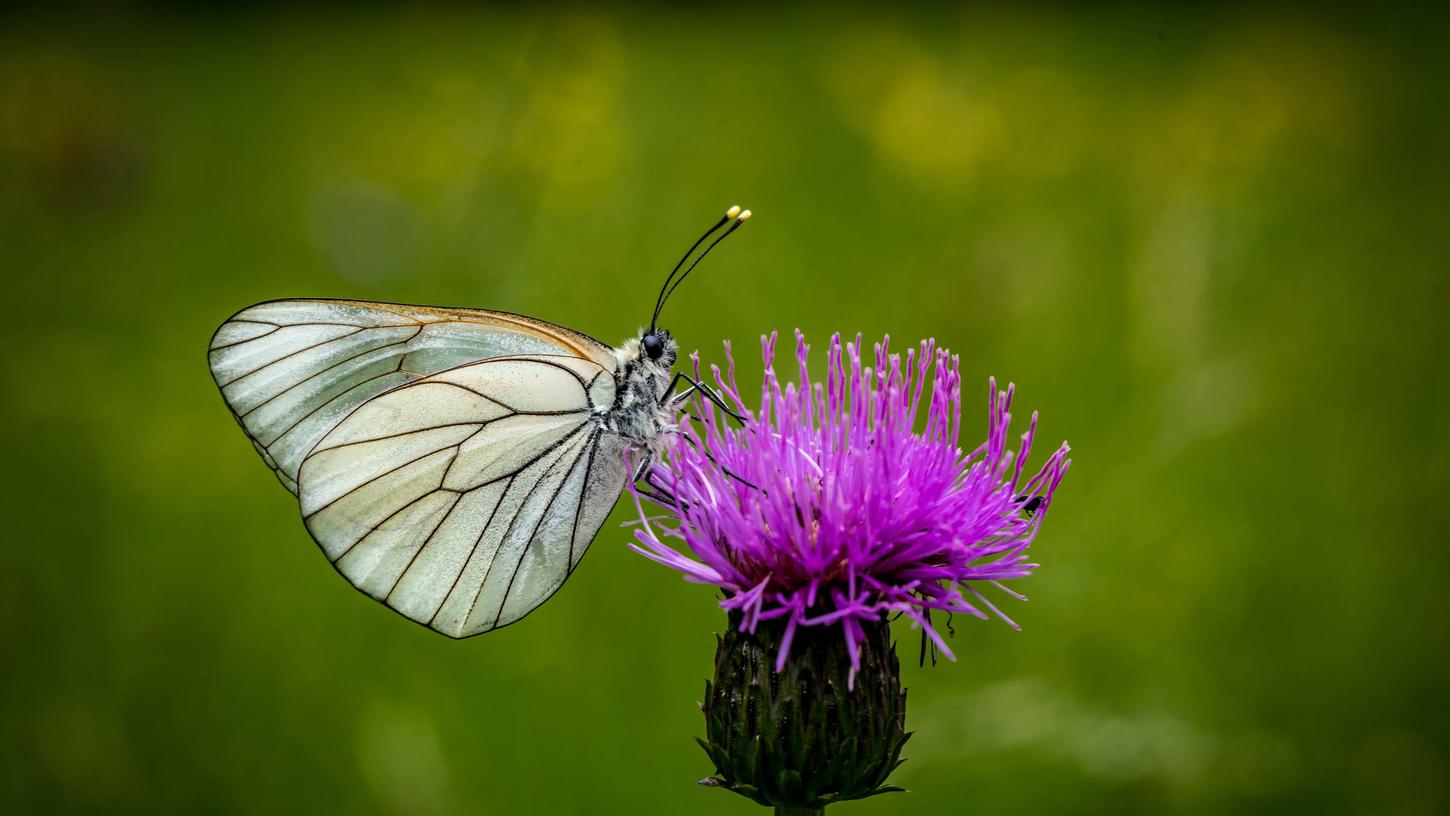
(695, 385)
(661, 494)
(727, 471)
(644, 465)
(670, 395)
(655, 492)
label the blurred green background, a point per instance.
(1210, 248)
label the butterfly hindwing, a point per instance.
(465, 498)
(291, 370)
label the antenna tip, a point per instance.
(733, 211)
(744, 215)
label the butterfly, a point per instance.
(453, 464)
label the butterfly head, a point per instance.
(654, 350)
(659, 347)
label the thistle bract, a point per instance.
(843, 503)
(798, 738)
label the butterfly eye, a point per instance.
(653, 346)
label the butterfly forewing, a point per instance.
(291, 370)
(464, 499)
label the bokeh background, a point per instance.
(1210, 247)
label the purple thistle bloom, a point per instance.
(826, 508)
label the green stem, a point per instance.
(795, 811)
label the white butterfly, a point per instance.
(453, 464)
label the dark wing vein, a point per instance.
(476, 393)
(579, 510)
(370, 480)
(514, 520)
(543, 514)
(266, 333)
(482, 423)
(567, 370)
(458, 499)
(463, 565)
(373, 528)
(292, 353)
(322, 371)
(328, 402)
(589, 389)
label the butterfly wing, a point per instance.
(290, 370)
(464, 499)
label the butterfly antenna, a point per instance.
(733, 214)
(740, 218)
(660, 300)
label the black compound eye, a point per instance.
(653, 346)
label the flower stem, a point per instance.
(795, 811)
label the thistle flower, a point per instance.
(827, 508)
(823, 516)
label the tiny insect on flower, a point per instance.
(828, 507)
